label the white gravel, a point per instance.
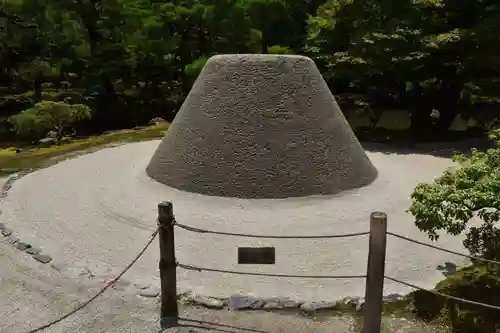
(99, 209)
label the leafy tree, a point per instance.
(194, 69)
(417, 55)
(461, 194)
(264, 15)
(278, 49)
(133, 60)
(450, 204)
(49, 116)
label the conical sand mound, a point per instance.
(260, 126)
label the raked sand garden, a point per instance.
(99, 209)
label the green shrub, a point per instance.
(47, 116)
(479, 283)
(278, 49)
(458, 196)
(194, 68)
(471, 191)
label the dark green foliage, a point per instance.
(468, 192)
(419, 55)
(132, 60)
(45, 116)
(477, 283)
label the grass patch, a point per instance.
(36, 156)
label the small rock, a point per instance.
(2, 226)
(6, 232)
(281, 303)
(60, 267)
(393, 298)
(20, 175)
(183, 292)
(34, 250)
(11, 240)
(45, 142)
(240, 302)
(18, 150)
(43, 258)
(85, 271)
(315, 306)
(6, 187)
(356, 302)
(22, 246)
(150, 292)
(157, 120)
(9, 170)
(142, 286)
(351, 303)
(121, 285)
(209, 302)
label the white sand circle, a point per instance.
(100, 209)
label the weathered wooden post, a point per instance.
(372, 310)
(167, 262)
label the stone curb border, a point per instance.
(235, 302)
(240, 302)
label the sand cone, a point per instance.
(261, 126)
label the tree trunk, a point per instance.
(37, 88)
(59, 134)
(265, 45)
(447, 104)
(420, 112)
(420, 120)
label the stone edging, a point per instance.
(233, 302)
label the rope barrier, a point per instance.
(443, 249)
(200, 269)
(458, 299)
(100, 292)
(204, 231)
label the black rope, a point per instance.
(443, 249)
(204, 231)
(458, 299)
(100, 292)
(200, 269)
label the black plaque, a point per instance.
(256, 255)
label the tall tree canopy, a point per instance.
(132, 60)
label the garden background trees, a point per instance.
(132, 60)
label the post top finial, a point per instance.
(378, 215)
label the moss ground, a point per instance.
(33, 157)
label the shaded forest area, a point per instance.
(119, 63)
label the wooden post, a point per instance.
(167, 262)
(372, 309)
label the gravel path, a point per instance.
(33, 294)
(98, 210)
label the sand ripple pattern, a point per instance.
(96, 209)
